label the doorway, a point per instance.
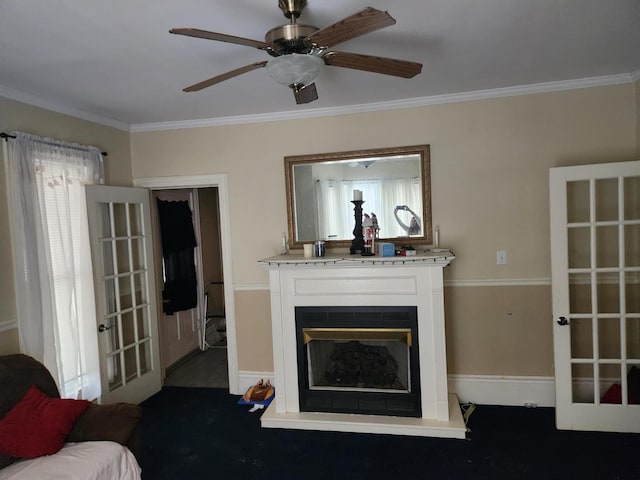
(206, 184)
(193, 341)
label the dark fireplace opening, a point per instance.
(358, 360)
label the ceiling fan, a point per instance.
(300, 51)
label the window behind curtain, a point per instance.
(52, 259)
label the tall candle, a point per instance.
(357, 194)
(436, 237)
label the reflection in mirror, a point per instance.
(394, 184)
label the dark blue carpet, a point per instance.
(195, 433)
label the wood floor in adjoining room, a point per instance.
(206, 369)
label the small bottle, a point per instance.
(367, 234)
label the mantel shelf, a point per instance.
(439, 257)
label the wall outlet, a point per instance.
(501, 257)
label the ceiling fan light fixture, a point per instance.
(295, 69)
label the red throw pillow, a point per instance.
(38, 425)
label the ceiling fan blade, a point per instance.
(221, 37)
(369, 63)
(225, 76)
(305, 94)
(354, 26)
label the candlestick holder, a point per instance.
(357, 244)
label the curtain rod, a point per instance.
(6, 137)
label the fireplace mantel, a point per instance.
(354, 280)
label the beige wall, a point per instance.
(27, 118)
(490, 163)
(638, 118)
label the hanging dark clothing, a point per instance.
(178, 242)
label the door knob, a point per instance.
(563, 321)
(102, 327)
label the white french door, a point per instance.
(122, 254)
(595, 255)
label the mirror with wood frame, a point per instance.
(395, 185)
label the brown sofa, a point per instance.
(118, 422)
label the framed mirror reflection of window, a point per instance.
(395, 185)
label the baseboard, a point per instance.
(478, 389)
(503, 390)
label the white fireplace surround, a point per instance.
(349, 280)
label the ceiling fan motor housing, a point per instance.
(289, 39)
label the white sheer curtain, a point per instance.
(52, 261)
(332, 197)
(380, 196)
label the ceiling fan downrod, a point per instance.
(292, 8)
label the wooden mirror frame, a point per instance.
(425, 171)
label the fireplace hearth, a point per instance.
(361, 360)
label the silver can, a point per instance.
(319, 249)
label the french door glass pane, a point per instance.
(128, 329)
(579, 244)
(577, 202)
(607, 199)
(581, 338)
(113, 343)
(632, 198)
(120, 219)
(582, 383)
(610, 376)
(633, 338)
(632, 245)
(580, 293)
(110, 289)
(125, 291)
(139, 289)
(632, 292)
(115, 372)
(130, 364)
(136, 225)
(122, 256)
(609, 338)
(145, 357)
(608, 293)
(137, 254)
(142, 317)
(607, 246)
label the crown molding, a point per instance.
(22, 97)
(395, 104)
(545, 87)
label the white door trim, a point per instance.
(219, 181)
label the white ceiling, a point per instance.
(114, 61)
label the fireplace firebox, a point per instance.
(362, 360)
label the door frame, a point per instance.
(220, 182)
